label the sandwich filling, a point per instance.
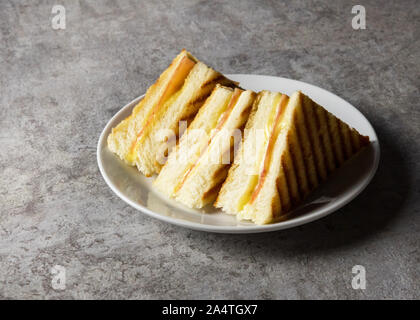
(173, 88)
(222, 119)
(272, 130)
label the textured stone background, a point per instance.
(59, 88)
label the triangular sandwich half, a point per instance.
(301, 144)
(198, 166)
(177, 95)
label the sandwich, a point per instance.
(291, 144)
(176, 96)
(199, 164)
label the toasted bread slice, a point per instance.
(177, 95)
(243, 175)
(303, 147)
(195, 171)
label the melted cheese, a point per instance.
(134, 151)
(172, 90)
(225, 112)
(271, 131)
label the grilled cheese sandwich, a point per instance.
(176, 96)
(300, 148)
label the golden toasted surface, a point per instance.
(177, 95)
(196, 182)
(289, 145)
(312, 145)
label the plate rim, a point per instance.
(287, 224)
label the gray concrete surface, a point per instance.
(59, 88)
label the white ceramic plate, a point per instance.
(342, 187)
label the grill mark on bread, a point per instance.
(314, 140)
(309, 134)
(283, 190)
(200, 99)
(229, 83)
(220, 173)
(222, 176)
(246, 111)
(341, 138)
(286, 180)
(355, 140)
(219, 79)
(324, 133)
(326, 136)
(336, 139)
(212, 192)
(188, 119)
(306, 145)
(299, 160)
(345, 132)
(276, 206)
(358, 140)
(365, 140)
(291, 175)
(318, 135)
(212, 81)
(205, 90)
